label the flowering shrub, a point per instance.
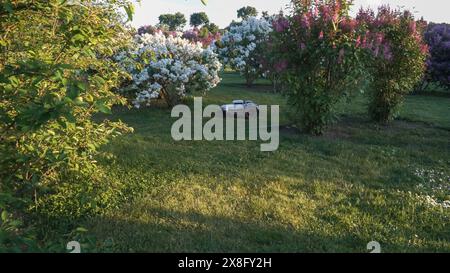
(271, 65)
(241, 47)
(438, 64)
(152, 30)
(398, 58)
(203, 36)
(147, 29)
(169, 67)
(318, 49)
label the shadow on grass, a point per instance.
(173, 231)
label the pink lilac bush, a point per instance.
(203, 36)
(317, 49)
(397, 58)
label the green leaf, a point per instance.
(130, 11)
(77, 37)
(81, 229)
(102, 107)
(70, 119)
(205, 2)
(82, 85)
(72, 92)
(99, 80)
(4, 216)
(8, 6)
(14, 81)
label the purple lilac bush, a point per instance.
(437, 37)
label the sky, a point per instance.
(222, 12)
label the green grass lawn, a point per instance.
(333, 193)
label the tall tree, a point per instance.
(246, 12)
(198, 19)
(173, 21)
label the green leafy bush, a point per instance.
(55, 74)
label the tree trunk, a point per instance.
(165, 96)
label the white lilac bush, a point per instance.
(168, 67)
(242, 47)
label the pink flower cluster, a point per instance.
(281, 24)
(318, 22)
(385, 18)
(195, 35)
(306, 20)
(376, 43)
(281, 66)
(329, 12)
(348, 25)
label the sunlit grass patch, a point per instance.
(337, 192)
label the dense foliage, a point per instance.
(246, 12)
(212, 28)
(398, 58)
(437, 37)
(55, 74)
(168, 67)
(198, 19)
(242, 47)
(173, 22)
(318, 54)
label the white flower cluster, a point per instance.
(240, 43)
(436, 186)
(160, 64)
(433, 202)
